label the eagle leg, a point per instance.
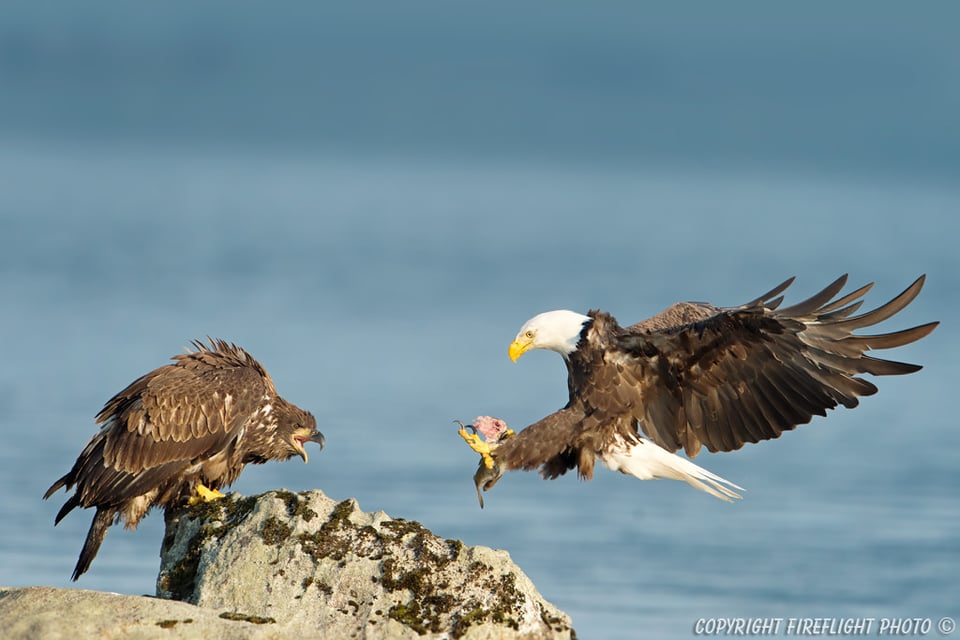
(474, 442)
(204, 494)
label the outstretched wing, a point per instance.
(748, 373)
(546, 443)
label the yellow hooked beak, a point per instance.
(519, 347)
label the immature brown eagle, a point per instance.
(186, 427)
(694, 375)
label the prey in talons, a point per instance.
(494, 431)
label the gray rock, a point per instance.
(327, 569)
(47, 613)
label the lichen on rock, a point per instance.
(310, 562)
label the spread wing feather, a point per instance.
(179, 412)
(545, 444)
(748, 373)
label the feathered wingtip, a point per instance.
(831, 325)
(770, 299)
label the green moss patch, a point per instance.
(505, 608)
(335, 538)
(556, 623)
(242, 617)
(296, 505)
(274, 531)
(170, 624)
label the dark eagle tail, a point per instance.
(98, 530)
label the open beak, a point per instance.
(301, 450)
(519, 347)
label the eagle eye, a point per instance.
(529, 333)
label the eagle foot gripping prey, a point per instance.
(493, 429)
(474, 442)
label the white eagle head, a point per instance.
(555, 330)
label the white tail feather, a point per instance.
(648, 461)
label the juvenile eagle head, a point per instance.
(295, 427)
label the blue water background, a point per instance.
(372, 201)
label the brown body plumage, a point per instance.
(197, 421)
(698, 376)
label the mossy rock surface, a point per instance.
(305, 561)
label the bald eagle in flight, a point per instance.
(692, 376)
(186, 427)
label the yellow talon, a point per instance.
(478, 445)
(204, 495)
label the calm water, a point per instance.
(380, 273)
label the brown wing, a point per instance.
(675, 315)
(179, 413)
(748, 373)
(545, 444)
